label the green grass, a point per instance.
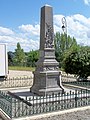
(21, 68)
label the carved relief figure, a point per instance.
(49, 37)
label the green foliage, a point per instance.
(32, 58)
(10, 58)
(63, 43)
(78, 62)
(19, 58)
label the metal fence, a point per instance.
(27, 81)
(16, 82)
(6, 103)
(68, 78)
(73, 81)
(15, 107)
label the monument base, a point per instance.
(47, 91)
(47, 82)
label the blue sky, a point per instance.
(20, 21)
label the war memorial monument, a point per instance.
(47, 74)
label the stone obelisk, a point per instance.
(47, 74)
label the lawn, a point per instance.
(21, 68)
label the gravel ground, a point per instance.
(79, 115)
(14, 73)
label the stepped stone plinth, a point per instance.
(47, 75)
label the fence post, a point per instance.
(76, 98)
(26, 105)
(11, 106)
(86, 95)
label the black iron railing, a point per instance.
(16, 107)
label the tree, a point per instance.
(19, 58)
(10, 58)
(62, 43)
(58, 48)
(78, 62)
(32, 58)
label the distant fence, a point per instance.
(68, 78)
(79, 84)
(71, 80)
(16, 107)
(27, 81)
(16, 82)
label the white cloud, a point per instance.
(6, 31)
(34, 30)
(87, 2)
(27, 36)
